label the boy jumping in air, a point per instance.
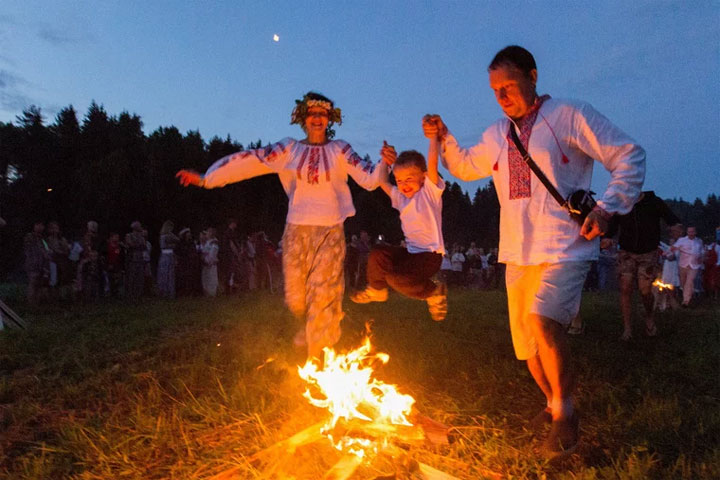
(418, 198)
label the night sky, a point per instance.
(651, 67)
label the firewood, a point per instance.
(435, 432)
(344, 468)
(289, 445)
(430, 473)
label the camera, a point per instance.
(580, 204)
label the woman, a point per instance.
(187, 272)
(313, 172)
(166, 263)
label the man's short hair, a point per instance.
(411, 158)
(514, 56)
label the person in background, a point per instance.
(135, 258)
(148, 284)
(351, 263)
(91, 270)
(638, 259)
(670, 276)
(37, 263)
(689, 252)
(91, 239)
(474, 266)
(314, 173)
(210, 249)
(547, 252)
(167, 261)
(229, 258)
(264, 260)
(248, 254)
(187, 272)
(115, 265)
(458, 265)
(59, 262)
(711, 274)
(498, 269)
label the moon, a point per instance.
(276, 38)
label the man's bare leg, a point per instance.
(554, 355)
(536, 370)
(538, 374)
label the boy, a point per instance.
(418, 198)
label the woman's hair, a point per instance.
(167, 227)
(514, 56)
(411, 158)
(299, 113)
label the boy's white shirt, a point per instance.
(421, 217)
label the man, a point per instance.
(638, 258)
(547, 253)
(37, 262)
(689, 251)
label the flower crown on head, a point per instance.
(299, 113)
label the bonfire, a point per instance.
(366, 418)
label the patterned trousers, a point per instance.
(313, 260)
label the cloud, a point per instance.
(56, 36)
(12, 99)
(8, 79)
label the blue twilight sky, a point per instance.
(653, 67)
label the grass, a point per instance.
(181, 389)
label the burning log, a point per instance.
(344, 468)
(311, 434)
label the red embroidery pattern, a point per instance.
(326, 166)
(301, 163)
(519, 173)
(313, 164)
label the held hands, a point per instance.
(595, 224)
(388, 153)
(189, 177)
(433, 127)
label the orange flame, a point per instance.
(349, 391)
(662, 286)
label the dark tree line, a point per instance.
(105, 168)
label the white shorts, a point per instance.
(552, 290)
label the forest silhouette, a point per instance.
(105, 168)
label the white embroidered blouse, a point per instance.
(314, 177)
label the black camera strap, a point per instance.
(536, 170)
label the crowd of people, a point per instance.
(123, 266)
(472, 267)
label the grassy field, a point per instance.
(181, 389)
